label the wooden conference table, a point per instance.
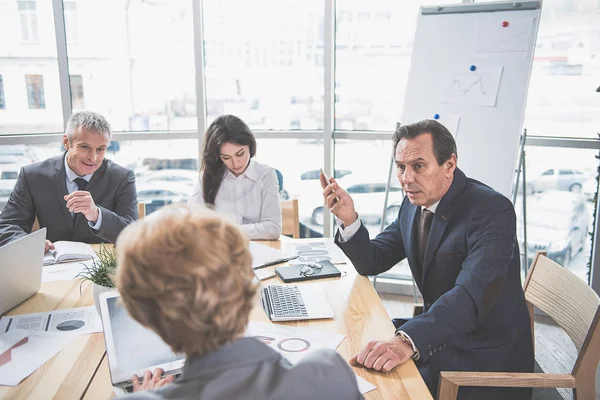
(80, 370)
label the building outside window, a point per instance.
(71, 22)
(77, 99)
(29, 27)
(35, 91)
(2, 101)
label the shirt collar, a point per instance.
(71, 175)
(249, 173)
(433, 207)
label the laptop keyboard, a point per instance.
(286, 301)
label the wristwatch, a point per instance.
(404, 337)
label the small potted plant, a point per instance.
(100, 272)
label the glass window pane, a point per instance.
(139, 73)
(35, 91)
(28, 48)
(2, 100)
(562, 98)
(373, 46)
(264, 62)
(560, 206)
(78, 102)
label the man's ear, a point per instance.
(65, 141)
(450, 166)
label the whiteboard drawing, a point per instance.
(476, 88)
(492, 39)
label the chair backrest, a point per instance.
(290, 221)
(571, 303)
(141, 210)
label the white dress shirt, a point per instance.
(72, 186)
(348, 232)
(251, 199)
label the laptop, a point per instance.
(21, 266)
(295, 302)
(132, 348)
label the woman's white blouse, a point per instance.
(251, 199)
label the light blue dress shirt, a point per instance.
(72, 186)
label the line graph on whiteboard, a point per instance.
(477, 88)
(492, 39)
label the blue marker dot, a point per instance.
(473, 68)
(436, 116)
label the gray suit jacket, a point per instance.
(40, 191)
(248, 369)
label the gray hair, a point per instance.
(90, 121)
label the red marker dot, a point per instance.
(504, 24)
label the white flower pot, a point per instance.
(96, 291)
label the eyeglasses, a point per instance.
(310, 269)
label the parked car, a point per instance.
(183, 176)
(6, 188)
(558, 223)
(9, 171)
(558, 178)
(17, 154)
(159, 194)
(368, 199)
(314, 174)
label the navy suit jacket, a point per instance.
(475, 317)
(40, 190)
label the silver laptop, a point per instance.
(130, 347)
(295, 302)
(21, 263)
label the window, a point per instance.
(142, 75)
(262, 62)
(374, 40)
(35, 91)
(561, 99)
(28, 14)
(77, 92)
(2, 101)
(71, 21)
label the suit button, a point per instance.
(439, 348)
(444, 345)
(430, 353)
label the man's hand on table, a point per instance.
(383, 356)
(151, 380)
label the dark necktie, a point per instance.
(425, 226)
(81, 183)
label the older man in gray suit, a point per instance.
(79, 195)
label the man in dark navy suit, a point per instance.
(459, 237)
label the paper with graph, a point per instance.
(479, 87)
(491, 38)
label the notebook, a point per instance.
(307, 271)
(132, 348)
(65, 251)
(295, 302)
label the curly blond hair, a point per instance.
(186, 273)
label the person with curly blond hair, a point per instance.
(186, 273)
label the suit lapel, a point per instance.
(60, 183)
(442, 217)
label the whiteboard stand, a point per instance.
(521, 168)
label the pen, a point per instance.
(275, 262)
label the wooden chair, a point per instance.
(141, 210)
(575, 307)
(290, 222)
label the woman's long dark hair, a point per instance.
(224, 129)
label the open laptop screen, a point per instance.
(132, 348)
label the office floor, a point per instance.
(555, 352)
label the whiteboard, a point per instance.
(470, 70)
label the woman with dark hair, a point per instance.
(233, 183)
